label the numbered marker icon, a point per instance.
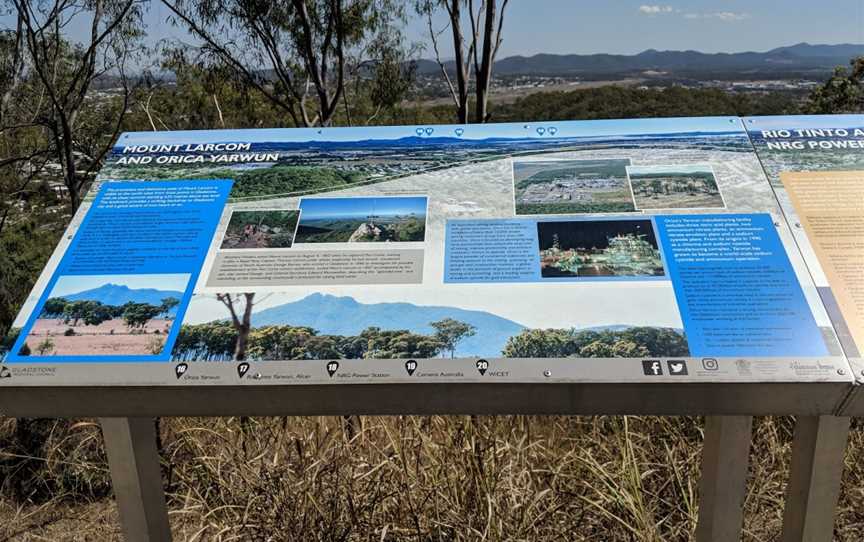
(332, 367)
(180, 369)
(242, 369)
(410, 366)
(482, 366)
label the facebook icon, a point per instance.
(652, 367)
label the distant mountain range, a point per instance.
(117, 294)
(332, 315)
(802, 57)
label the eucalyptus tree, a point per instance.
(476, 35)
(300, 54)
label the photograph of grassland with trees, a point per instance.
(106, 315)
(261, 229)
(571, 186)
(690, 186)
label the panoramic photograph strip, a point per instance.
(571, 186)
(362, 220)
(599, 248)
(261, 229)
(676, 186)
(99, 315)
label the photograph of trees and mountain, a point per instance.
(102, 315)
(362, 220)
(571, 186)
(261, 229)
(598, 248)
(675, 187)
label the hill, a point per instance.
(117, 294)
(801, 57)
(334, 315)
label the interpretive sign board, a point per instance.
(631, 252)
(816, 165)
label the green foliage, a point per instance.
(627, 343)
(45, 347)
(216, 341)
(450, 332)
(573, 207)
(842, 93)
(136, 315)
(613, 102)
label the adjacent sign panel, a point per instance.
(650, 250)
(816, 165)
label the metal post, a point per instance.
(137, 478)
(722, 489)
(818, 450)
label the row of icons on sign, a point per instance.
(332, 366)
(651, 367)
(428, 131)
(677, 367)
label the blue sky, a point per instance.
(628, 26)
(596, 128)
(318, 208)
(72, 284)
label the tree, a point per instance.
(476, 53)
(242, 321)
(54, 307)
(842, 93)
(45, 347)
(167, 306)
(450, 333)
(136, 315)
(297, 53)
(65, 73)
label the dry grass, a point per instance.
(404, 478)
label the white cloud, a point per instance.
(726, 16)
(655, 9)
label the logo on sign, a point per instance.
(652, 367)
(482, 366)
(180, 369)
(242, 369)
(4, 373)
(332, 367)
(411, 366)
(677, 367)
(710, 364)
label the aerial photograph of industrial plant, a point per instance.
(571, 186)
(598, 248)
(261, 229)
(692, 186)
(362, 220)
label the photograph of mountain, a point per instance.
(571, 186)
(101, 315)
(362, 220)
(678, 186)
(261, 229)
(598, 248)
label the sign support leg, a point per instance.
(818, 449)
(723, 485)
(137, 478)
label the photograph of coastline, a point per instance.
(102, 315)
(261, 229)
(571, 186)
(598, 248)
(677, 186)
(362, 220)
